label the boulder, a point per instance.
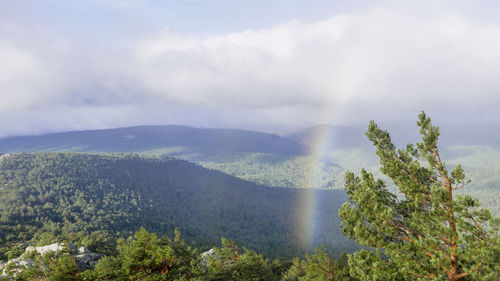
(18, 263)
(88, 260)
(205, 255)
(83, 250)
(84, 258)
(56, 247)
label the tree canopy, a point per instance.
(425, 231)
(91, 198)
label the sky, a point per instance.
(273, 66)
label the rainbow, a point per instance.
(307, 215)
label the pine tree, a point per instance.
(232, 263)
(425, 231)
(319, 266)
(146, 257)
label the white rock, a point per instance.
(84, 258)
(27, 263)
(30, 249)
(205, 255)
(82, 250)
(18, 262)
(56, 247)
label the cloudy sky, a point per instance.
(264, 65)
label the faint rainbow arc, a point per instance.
(307, 220)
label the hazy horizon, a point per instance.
(270, 66)
(393, 126)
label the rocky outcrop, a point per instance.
(84, 259)
(56, 247)
(83, 250)
(17, 265)
(205, 256)
(87, 260)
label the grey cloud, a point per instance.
(382, 58)
(381, 63)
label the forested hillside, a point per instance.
(91, 197)
(289, 161)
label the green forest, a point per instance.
(92, 197)
(153, 217)
(281, 161)
(229, 140)
(145, 256)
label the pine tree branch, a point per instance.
(430, 276)
(480, 229)
(463, 274)
(416, 261)
(408, 239)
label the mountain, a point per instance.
(343, 137)
(475, 147)
(88, 197)
(182, 140)
(335, 137)
(167, 139)
(288, 161)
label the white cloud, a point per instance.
(282, 66)
(383, 58)
(30, 73)
(386, 63)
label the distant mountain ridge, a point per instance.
(147, 138)
(336, 137)
(315, 157)
(340, 137)
(176, 139)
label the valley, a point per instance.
(277, 195)
(315, 157)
